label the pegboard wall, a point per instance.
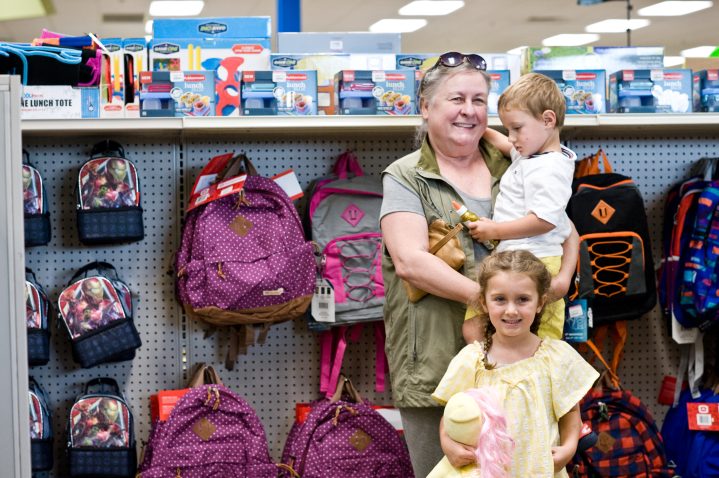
(285, 370)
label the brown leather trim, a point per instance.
(261, 315)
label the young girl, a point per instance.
(540, 381)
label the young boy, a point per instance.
(529, 212)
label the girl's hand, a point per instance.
(482, 230)
(457, 453)
(561, 455)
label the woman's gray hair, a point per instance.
(428, 88)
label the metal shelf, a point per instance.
(574, 124)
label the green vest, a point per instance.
(423, 337)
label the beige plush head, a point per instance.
(463, 419)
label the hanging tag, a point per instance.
(323, 301)
(703, 416)
(576, 321)
(683, 335)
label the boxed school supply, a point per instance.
(339, 42)
(706, 90)
(609, 58)
(283, 93)
(59, 102)
(585, 91)
(421, 62)
(650, 91)
(378, 92)
(325, 64)
(135, 52)
(112, 79)
(177, 93)
(224, 46)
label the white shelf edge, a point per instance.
(289, 124)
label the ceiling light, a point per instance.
(570, 39)
(674, 8)
(176, 8)
(670, 61)
(395, 25)
(616, 25)
(431, 8)
(698, 52)
(517, 51)
(148, 27)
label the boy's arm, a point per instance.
(563, 280)
(498, 140)
(527, 226)
(570, 426)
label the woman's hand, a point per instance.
(482, 230)
(457, 453)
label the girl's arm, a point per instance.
(570, 426)
(498, 140)
(458, 454)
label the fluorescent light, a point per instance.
(396, 25)
(517, 51)
(176, 8)
(430, 8)
(570, 39)
(670, 61)
(698, 52)
(148, 27)
(616, 25)
(674, 8)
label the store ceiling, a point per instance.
(482, 25)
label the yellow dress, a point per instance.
(535, 393)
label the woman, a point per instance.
(453, 163)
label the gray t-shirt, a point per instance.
(398, 198)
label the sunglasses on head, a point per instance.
(453, 58)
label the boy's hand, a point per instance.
(558, 289)
(561, 455)
(482, 230)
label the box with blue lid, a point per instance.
(585, 91)
(282, 93)
(376, 92)
(651, 91)
(216, 27)
(706, 90)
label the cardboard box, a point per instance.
(177, 93)
(379, 92)
(651, 91)
(421, 62)
(112, 79)
(282, 93)
(610, 59)
(59, 102)
(135, 51)
(326, 66)
(585, 91)
(706, 90)
(338, 42)
(500, 80)
(213, 27)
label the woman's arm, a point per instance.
(406, 236)
(569, 427)
(457, 453)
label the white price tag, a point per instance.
(323, 301)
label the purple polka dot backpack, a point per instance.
(210, 433)
(243, 259)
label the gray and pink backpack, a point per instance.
(210, 433)
(243, 259)
(344, 437)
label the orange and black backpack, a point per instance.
(615, 271)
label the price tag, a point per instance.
(323, 301)
(576, 321)
(703, 416)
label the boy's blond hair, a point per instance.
(534, 93)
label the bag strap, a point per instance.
(590, 165)
(107, 147)
(102, 382)
(234, 165)
(448, 237)
(380, 358)
(347, 163)
(26, 157)
(619, 334)
(345, 386)
(204, 375)
(241, 337)
(98, 266)
(29, 274)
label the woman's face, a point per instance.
(457, 113)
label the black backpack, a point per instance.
(615, 270)
(41, 446)
(37, 318)
(34, 198)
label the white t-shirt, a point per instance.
(539, 184)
